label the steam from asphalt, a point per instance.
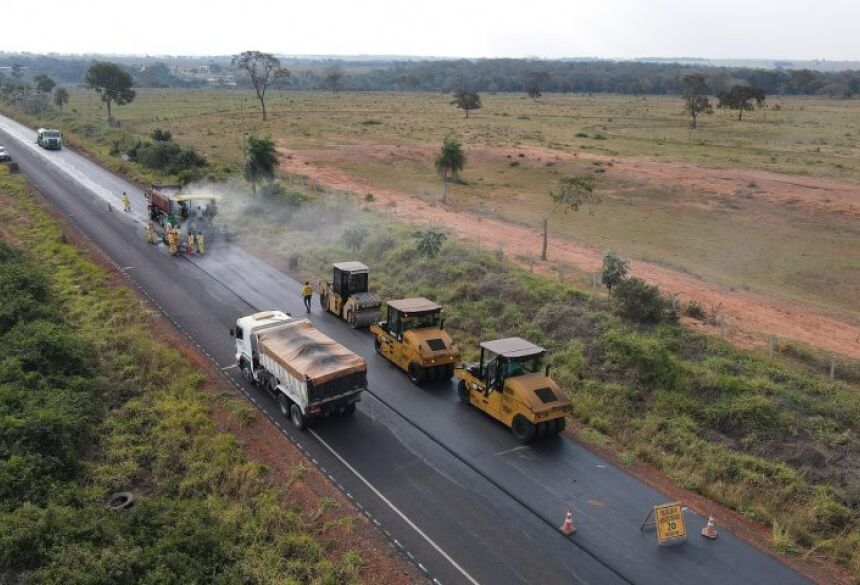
(323, 217)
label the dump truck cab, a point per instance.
(511, 384)
(347, 295)
(49, 139)
(413, 338)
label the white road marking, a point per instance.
(396, 510)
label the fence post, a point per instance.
(772, 345)
(531, 263)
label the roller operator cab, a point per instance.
(511, 384)
(347, 295)
(49, 139)
(310, 375)
(413, 338)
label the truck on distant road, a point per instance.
(309, 374)
(49, 139)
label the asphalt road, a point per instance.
(448, 486)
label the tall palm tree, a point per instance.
(262, 161)
(450, 160)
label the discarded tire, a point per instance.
(120, 501)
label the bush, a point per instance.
(638, 301)
(354, 237)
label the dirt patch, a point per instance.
(748, 317)
(263, 443)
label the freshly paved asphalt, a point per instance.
(449, 487)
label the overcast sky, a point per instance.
(790, 29)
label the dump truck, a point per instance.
(511, 384)
(413, 338)
(310, 375)
(49, 139)
(347, 295)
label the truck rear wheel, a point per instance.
(417, 374)
(523, 430)
(247, 373)
(463, 392)
(284, 405)
(348, 410)
(299, 420)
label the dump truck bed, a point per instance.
(308, 354)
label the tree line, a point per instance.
(486, 75)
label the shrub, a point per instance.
(354, 237)
(638, 301)
(429, 242)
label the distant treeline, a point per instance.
(485, 75)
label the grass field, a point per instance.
(729, 218)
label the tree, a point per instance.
(467, 100)
(695, 100)
(61, 97)
(429, 242)
(44, 83)
(450, 159)
(262, 161)
(741, 98)
(535, 81)
(263, 69)
(17, 71)
(111, 83)
(573, 192)
(160, 135)
(614, 270)
(333, 78)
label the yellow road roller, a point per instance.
(413, 338)
(511, 384)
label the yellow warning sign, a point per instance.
(670, 523)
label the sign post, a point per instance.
(669, 520)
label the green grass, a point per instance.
(755, 434)
(90, 404)
(744, 241)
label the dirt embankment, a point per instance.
(748, 317)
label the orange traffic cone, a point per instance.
(567, 527)
(709, 531)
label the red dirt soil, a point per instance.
(749, 317)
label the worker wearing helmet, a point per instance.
(172, 239)
(126, 204)
(201, 244)
(189, 244)
(150, 233)
(307, 294)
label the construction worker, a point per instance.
(307, 295)
(150, 233)
(126, 204)
(189, 244)
(201, 245)
(172, 240)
